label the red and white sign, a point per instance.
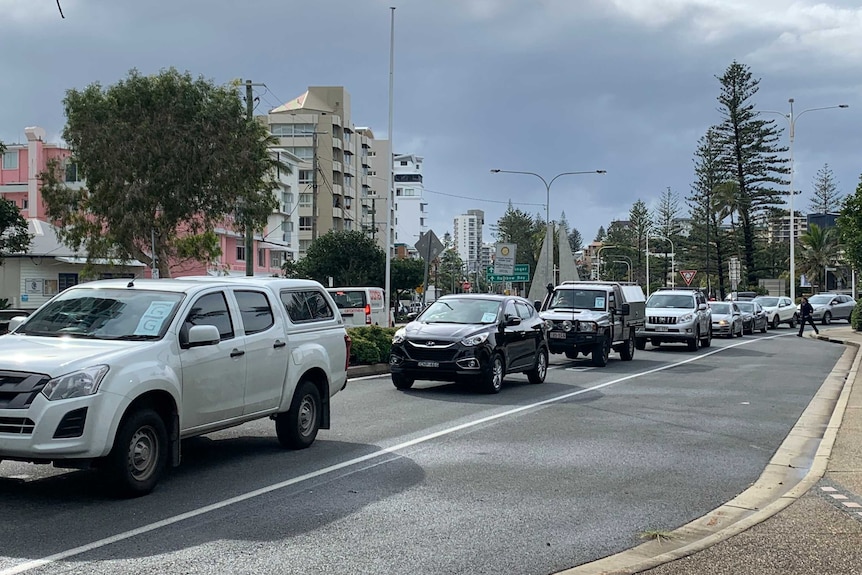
(466, 286)
(687, 275)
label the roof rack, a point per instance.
(679, 288)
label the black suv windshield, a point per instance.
(461, 310)
(128, 314)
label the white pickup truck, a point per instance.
(115, 373)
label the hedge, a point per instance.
(856, 316)
(370, 344)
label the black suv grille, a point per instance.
(18, 388)
(431, 353)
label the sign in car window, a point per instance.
(154, 317)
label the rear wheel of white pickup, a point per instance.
(297, 427)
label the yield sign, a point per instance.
(687, 275)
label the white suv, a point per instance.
(676, 315)
(778, 310)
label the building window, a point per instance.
(306, 200)
(261, 257)
(66, 281)
(24, 203)
(403, 162)
(72, 173)
(240, 253)
(303, 245)
(304, 176)
(10, 160)
(305, 223)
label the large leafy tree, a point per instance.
(350, 258)
(850, 227)
(407, 275)
(14, 236)
(826, 197)
(527, 232)
(166, 159)
(751, 154)
(820, 249)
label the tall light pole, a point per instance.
(549, 234)
(791, 122)
(599, 260)
(672, 257)
(628, 265)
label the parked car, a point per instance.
(779, 309)
(726, 319)
(829, 306)
(115, 373)
(753, 317)
(474, 338)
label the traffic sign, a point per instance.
(522, 274)
(429, 246)
(466, 286)
(687, 275)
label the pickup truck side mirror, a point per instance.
(538, 305)
(16, 321)
(201, 335)
(626, 309)
(701, 307)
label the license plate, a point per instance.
(558, 335)
(661, 328)
(429, 364)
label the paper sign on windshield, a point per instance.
(488, 317)
(600, 302)
(153, 319)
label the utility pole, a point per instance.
(249, 231)
(314, 169)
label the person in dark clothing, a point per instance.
(807, 312)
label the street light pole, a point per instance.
(628, 265)
(599, 260)
(549, 234)
(791, 121)
(672, 257)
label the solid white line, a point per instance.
(29, 565)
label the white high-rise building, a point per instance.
(410, 205)
(467, 237)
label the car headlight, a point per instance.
(567, 325)
(474, 340)
(398, 336)
(687, 317)
(588, 326)
(722, 322)
(549, 324)
(75, 384)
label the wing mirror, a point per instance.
(16, 321)
(625, 309)
(201, 335)
(512, 320)
(701, 307)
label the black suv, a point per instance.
(475, 338)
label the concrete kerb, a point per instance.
(784, 480)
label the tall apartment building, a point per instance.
(467, 237)
(333, 174)
(410, 204)
(374, 212)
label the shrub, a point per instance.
(379, 337)
(363, 351)
(856, 317)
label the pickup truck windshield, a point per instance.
(127, 314)
(579, 299)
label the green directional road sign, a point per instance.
(522, 274)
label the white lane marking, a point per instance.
(35, 563)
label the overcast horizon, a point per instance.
(551, 86)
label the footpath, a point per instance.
(802, 517)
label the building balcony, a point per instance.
(337, 166)
(336, 143)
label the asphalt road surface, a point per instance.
(441, 479)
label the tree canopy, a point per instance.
(826, 198)
(349, 257)
(166, 159)
(14, 236)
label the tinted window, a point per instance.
(306, 306)
(346, 299)
(524, 310)
(255, 311)
(510, 309)
(211, 309)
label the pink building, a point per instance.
(27, 280)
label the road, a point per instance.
(442, 479)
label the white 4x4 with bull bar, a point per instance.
(593, 317)
(676, 315)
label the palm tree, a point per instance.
(820, 248)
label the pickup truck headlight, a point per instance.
(398, 337)
(474, 340)
(588, 326)
(75, 384)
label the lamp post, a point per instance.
(672, 257)
(599, 260)
(791, 122)
(628, 265)
(549, 235)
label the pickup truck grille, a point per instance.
(661, 320)
(16, 425)
(18, 388)
(442, 351)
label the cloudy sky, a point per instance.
(546, 86)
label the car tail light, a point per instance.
(347, 343)
(368, 314)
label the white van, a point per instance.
(361, 305)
